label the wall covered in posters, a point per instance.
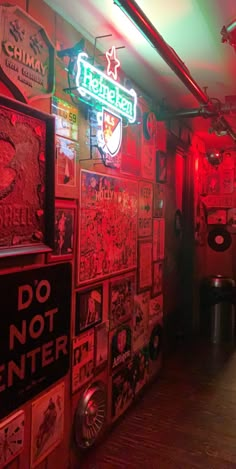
(81, 311)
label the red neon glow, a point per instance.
(112, 63)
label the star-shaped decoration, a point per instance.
(112, 63)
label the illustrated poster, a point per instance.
(121, 300)
(145, 209)
(140, 319)
(47, 425)
(148, 161)
(156, 310)
(107, 203)
(83, 359)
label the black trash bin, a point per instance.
(218, 308)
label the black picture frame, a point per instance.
(18, 239)
(82, 313)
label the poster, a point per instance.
(11, 438)
(157, 281)
(161, 166)
(148, 162)
(88, 308)
(121, 299)
(156, 310)
(131, 150)
(159, 200)
(145, 264)
(101, 344)
(145, 209)
(122, 391)
(121, 343)
(218, 201)
(107, 202)
(66, 118)
(67, 168)
(140, 319)
(34, 333)
(65, 213)
(227, 180)
(83, 359)
(139, 370)
(47, 425)
(158, 238)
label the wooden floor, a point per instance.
(185, 420)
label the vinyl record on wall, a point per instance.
(219, 239)
(155, 342)
(90, 415)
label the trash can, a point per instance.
(218, 308)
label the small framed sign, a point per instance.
(88, 308)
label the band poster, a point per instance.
(83, 359)
(107, 202)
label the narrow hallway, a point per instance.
(185, 420)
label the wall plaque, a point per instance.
(27, 55)
(34, 333)
(27, 179)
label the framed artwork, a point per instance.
(105, 203)
(145, 209)
(131, 150)
(65, 218)
(148, 161)
(122, 391)
(11, 438)
(27, 179)
(158, 238)
(156, 310)
(83, 359)
(121, 344)
(140, 319)
(66, 118)
(161, 166)
(144, 264)
(159, 200)
(47, 424)
(121, 299)
(101, 344)
(88, 308)
(157, 278)
(67, 168)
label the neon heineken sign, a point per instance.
(92, 82)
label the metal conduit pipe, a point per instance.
(186, 113)
(141, 21)
(199, 112)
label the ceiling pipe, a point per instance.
(204, 112)
(141, 21)
(186, 113)
(143, 24)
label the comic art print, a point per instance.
(107, 203)
(121, 299)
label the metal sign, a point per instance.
(27, 55)
(34, 333)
